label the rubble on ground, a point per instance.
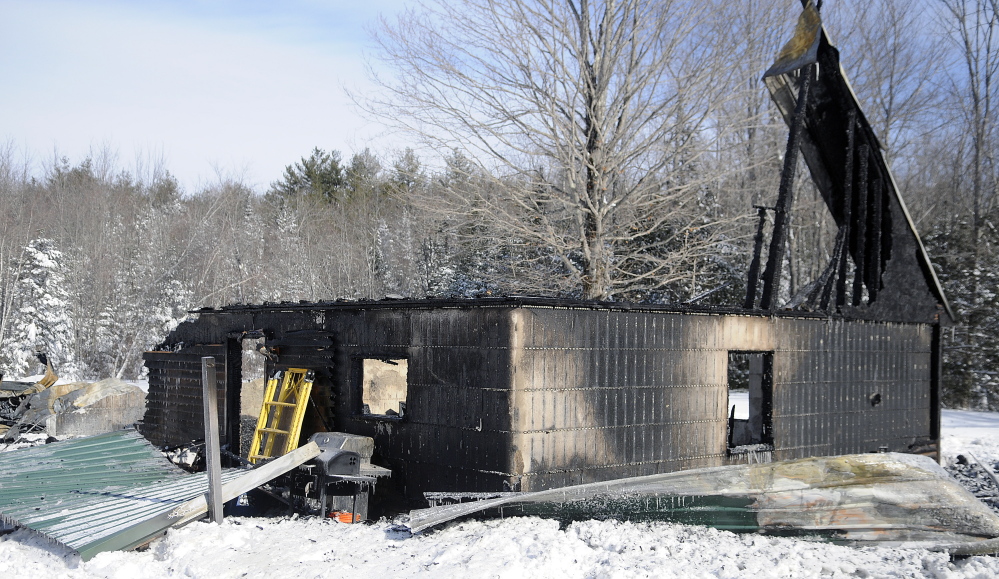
(971, 475)
(80, 409)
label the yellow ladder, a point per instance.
(288, 391)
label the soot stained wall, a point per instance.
(527, 396)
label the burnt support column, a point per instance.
(754, 267)
(860, 235)
(873, 267)
(785, 196)
(936, 375)
(851, 131)
(233, 392)
(829, 275)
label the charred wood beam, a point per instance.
(707, 293)
(886, 228)
(851, 131)
(233, 390)
(785, 196)
(936, 379)
(873, 268)
(818, 293)
(754, 267)
(860, 234)
(829, 278)
(767, 402)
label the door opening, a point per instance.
(750, 399)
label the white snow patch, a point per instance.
(739, 399)
(510, 548)
(970, 431)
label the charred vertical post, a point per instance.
(754, 266)
(785, 196)
(936, 364)
(873, 268)
(886, 227)
(767, 399)
(212, 458)
(860, 236)
(233, 390)
(829, 275)
(847, 211)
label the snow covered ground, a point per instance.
(967, 431)
(515, 547)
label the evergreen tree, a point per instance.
(320, 175)
(41, 315)
(971, 354)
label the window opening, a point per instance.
(384, 384)
(750, 399)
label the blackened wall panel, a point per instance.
(528, 397)
(174, 407)
(457, 413)
(647, 391)
(846, 386)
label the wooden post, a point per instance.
(212, 458)
(785, 196)
(754, 267)
(847, 207)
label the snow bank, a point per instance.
(511, 548)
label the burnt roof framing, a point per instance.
(845, 160)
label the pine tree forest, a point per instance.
(99, 261)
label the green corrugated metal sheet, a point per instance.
(123, 458)
(90, 494)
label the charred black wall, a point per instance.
(174, 413)
(602, 395)
(454, 432)
(528, 395)
(457, 416)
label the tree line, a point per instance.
(609, 149)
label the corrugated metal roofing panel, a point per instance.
(80, 492)
(113, 491)
(116, 459)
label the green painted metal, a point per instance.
(93, 492)
(122, 459)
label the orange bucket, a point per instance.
(345, 517)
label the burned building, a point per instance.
(530, 393)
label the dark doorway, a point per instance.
(750, 399)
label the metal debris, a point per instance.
(113, 491)
(864, 499)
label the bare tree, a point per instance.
(892, 68)
(15, 229)
(973, 28)
(590, 116)
(967, 245)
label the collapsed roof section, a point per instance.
(113, 491)
(879, 268)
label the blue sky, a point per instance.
(209, 87)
